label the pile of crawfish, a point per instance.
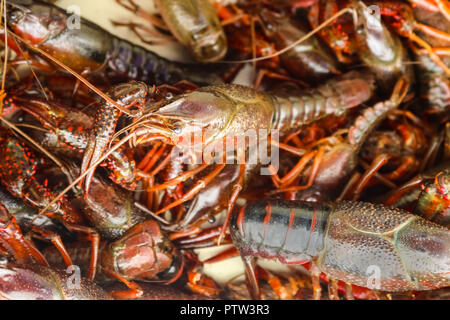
(114, 174)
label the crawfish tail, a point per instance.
(371, 117)
(133, 62)
(334, 97)
(434, 84)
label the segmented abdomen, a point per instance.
(135, 63)
(291, 231)
(334, 97)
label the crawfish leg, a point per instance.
(91, 235)
(226, 254)
(252, 279)
(181, 178)
(201, 240)
(312, 176)
(377, 163)
(233, 198)
(137, 10)
(47, 235)
(139, 30)
(134, 290)
(315, 277)
(294, 173)
(195, 189)
(404, 189)
(12, 239)
(275, 283)
(408, 164)
(200, 283)
(333, 289)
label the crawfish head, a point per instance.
(198, 117)
(143, 253)
(35, 22)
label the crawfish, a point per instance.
(142, 253)
(343, 239)
(133, 248)
(225, 112)
(92, 50)
(309, 61)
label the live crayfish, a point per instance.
(97, 51)
(222, 112)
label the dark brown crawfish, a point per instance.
(309, 61)
(133, 248)
(343, 240)
(143, 253)
(93, 50)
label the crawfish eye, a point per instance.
(3, 261)
(16, 15)
(177, 130)
(169, 95)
